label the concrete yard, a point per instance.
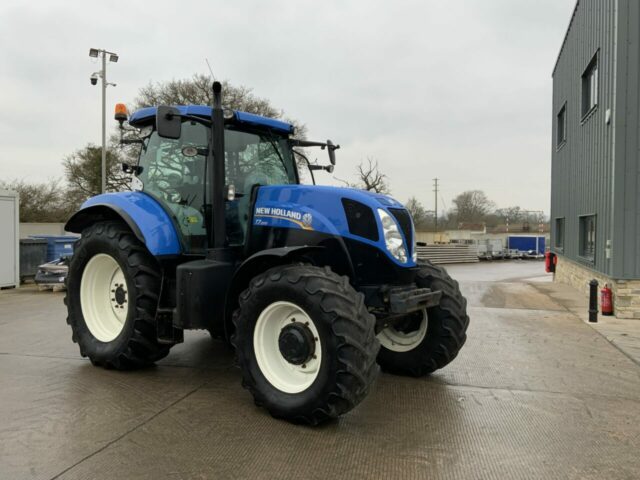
(535, 393)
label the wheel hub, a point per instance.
(104, 297)
(120, 295)
(296, 343)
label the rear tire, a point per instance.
(112, 295)
(427, 341)
(336, 336)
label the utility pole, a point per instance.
(102, 74)
(103, 171)
(435, 189)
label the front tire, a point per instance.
(305, 343)
(426, 341)
(112, 295)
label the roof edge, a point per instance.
(564, 39)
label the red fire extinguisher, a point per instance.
(606, 300)
(550, 261)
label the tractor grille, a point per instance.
(404, 220)
(360, 219)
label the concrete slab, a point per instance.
(535, 393)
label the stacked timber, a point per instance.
(448, 253)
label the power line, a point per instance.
(435, 190)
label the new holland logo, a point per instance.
(304, 221)
(307, 219)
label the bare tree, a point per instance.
(197, 91)
(41, 202)
(513, 214)
(472, 206)
(370, 177)
(83, 172)
(418, 213)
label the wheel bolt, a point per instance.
(315, 339)
(113, 299)
(304, 365)
(293, 320)
(314, 357)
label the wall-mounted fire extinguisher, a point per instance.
(606, 300)
(550, 260)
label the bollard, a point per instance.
(593, 301)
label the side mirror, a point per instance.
(332, 149)
(168, 122)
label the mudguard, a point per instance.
(145, 216)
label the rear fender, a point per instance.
(146, 218)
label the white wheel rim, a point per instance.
(284, 376)
(398, 341)
(104, 312)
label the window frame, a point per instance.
(559, 222)
(590, 100)
(582, 240)
(563, 111)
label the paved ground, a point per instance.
(535, 393)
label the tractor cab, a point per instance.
(257, 151)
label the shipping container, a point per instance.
(525, 243)
(9, 264)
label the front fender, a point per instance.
(144, 215)
(252, 266)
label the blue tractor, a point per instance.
(314, 286)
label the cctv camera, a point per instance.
(94, 79)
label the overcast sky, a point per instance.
(459, 90)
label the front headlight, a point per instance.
(392, 237)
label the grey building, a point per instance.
(595, 172)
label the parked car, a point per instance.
(52, 275)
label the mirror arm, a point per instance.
(328, 168)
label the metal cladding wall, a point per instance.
(626, 235)
(581, 171)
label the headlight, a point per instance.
(392, 237)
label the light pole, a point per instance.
(113, 57)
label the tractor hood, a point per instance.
(343, 212)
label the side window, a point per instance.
(178, 181)
(558, 242)
(561, 126)
(587, 247)
(590, 86)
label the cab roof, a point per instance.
(144, 114)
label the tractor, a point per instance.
(315, 287)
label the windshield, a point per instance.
(179, 181)
(257, 159)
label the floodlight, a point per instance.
(93, 52)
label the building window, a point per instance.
(559, 234)
(590, 87)
(561, 126)
(588, 237)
